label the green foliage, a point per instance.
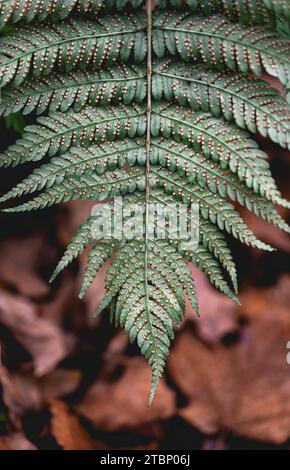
(100, 132)
(16, 122)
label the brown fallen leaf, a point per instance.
(21, 394)
(217, 312)
(20, 264)
(63, 302)
(67, 430)
(154, 445)
(255, 302)
(266, 232)
(124, 403)
(46, 343)
(16, 441)
(117, 345)
(59, 382)
(114, 353)
(243, 389)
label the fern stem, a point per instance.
(147, 173)
(149, 105)
(148, 123)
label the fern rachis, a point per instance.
(174, 130)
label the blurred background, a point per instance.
(70, 382)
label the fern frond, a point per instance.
(205, 261)
(195, 167)
(245, 11)
(221, 142)
(58, 132)
(79, 161)
(210, 237)
(77, 43)
(250, 102)
(216, 41)
(87, 187)
(99, 254)
(118, 182)
(279, 7)
(214, 241)
(75, 90)
(212, 207)
(175, 156)
(146, 310)
(77, 245)
(28, 10)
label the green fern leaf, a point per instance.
(77, 89)
(245, 11)
(28, 10)
(216, 41)
(101, 42)
(58, 132)
(250, 102)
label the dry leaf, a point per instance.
(217, 312)
(16, 441)
(63, 302)
(245, 388)
(67, 430)
(255, 302)
(20, 263)
(123, 403)
(59, 382)
(46, 343)
(21, 394)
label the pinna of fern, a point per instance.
(176, 130)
